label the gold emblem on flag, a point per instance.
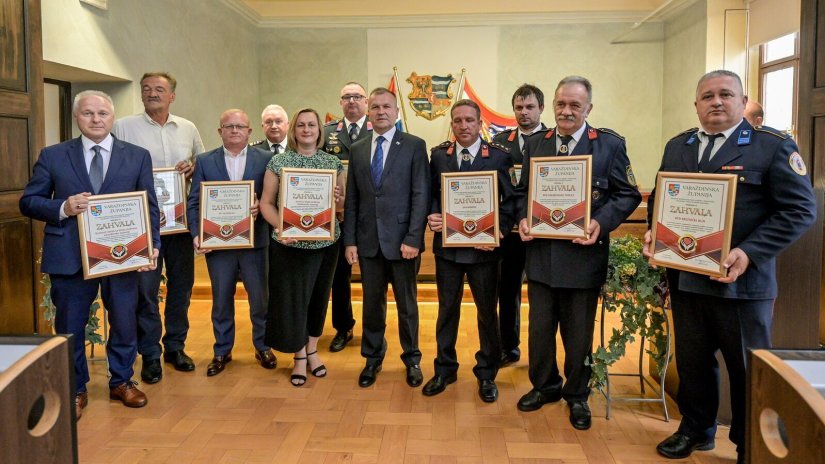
(431, 96)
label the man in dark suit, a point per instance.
(275, 123)
(774, 206)
(528, 104)
(64, 177)
(565, 276)
(234, 161)
(339, 136)
(480, 264)
(387, 202)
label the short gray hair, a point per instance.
(578, 80)
(91, 93)
(274, 108)
(721, 73)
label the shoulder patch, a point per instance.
(441, 145)
(689, 131)
(255, 142)
(797, 163)
(772, 131)
(500, 147)
(609, 131)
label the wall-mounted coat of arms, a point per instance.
(431, 96)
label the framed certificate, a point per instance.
(225, 219)
(307, 204)
(170, 189)
(115, 234)
(469, 209)
(692, 221)
(558, 198)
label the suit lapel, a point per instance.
(249, 168)
(730, 150)
(583, 146)
(392, 153)
(220, 164)
(79, 163)
(479, 162)
(116, 160)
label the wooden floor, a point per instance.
(249, 414)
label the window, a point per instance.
(778, 75)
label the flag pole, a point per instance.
(398, 89)
(458, 94)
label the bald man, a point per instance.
(754, 113)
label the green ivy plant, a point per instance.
(633, 289)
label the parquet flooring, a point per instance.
(251, 415)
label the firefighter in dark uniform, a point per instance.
(338, 138)
(774, 206)
(469, 153)
(528, 104)
(564, 277)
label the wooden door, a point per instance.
(21, 137)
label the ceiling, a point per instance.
(403, 13)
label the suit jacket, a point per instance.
(509, 139)
(774, 204)
(211, 166)
(263, 145)
(337, 141)
(385, 216)
(561, 263)
(59, 173)
(444, 158)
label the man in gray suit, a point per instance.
(386, 208)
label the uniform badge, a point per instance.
(336, 149)
(592, 134)
(596, 195)
(563, 149)
(513, 177)
(465, 157)
(485, 151)
(797, 164)
(631, 179)
(118, 251)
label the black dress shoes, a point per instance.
(535, 399)
(340, 340)
(368, 375)
(218, 364)
(579, 415)
(266, 358)
(437, 384)
(179, 360)
(414, 377)
(507, 358)
(487, 390)
(151, 371)
(679, 446)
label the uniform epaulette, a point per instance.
(333, 122)
(541, 131)
(255, 142)
(772, 131)
(500, 147)
(609, 131)
(442, 145)
(694, 129)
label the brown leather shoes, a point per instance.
(80, 402)
(266, 358)
(218, 364)
(128, 394)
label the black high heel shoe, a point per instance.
(320, 371)
(298, 380)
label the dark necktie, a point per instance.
(466, 161)
(353, 131)
(276, 148)
(564, 148)
(96, 169)
(377, 165)
(523, 145)
(704, 162)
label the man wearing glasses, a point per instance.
(338, 138)
(234, 161)
(275, 124)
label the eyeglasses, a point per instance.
(356, 98)
(233, 127)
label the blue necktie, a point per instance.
(353, 131)
(377, 165)
(96, 170)
(466, 162)
(704, 162)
